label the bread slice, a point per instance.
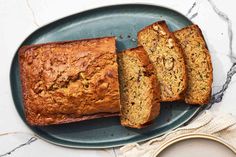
(199, 67)
(167, 57)
(70, 81)
(139, 88)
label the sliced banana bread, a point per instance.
(167, 57)
(198, 61)
(139, 88)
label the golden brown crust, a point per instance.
(181, 94)
(189, 36)
(69, 81)
(154, 92)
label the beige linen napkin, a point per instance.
(221, 126)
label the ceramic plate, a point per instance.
(122, 21)
(188, 144)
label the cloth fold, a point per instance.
(219, 125)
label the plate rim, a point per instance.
(36, 133)
(190, 136)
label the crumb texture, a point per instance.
(139, 88)
(69, 81)
(199, 67)
(167, 57)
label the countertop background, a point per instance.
(19, 18)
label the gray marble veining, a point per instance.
(191, 8)
(193, 16)
(31, 140)
(114, 151)
(32, 12)
(218, 96)
(223, 16)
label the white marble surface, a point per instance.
(19, 18)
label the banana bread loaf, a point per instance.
(198, 63)
(167, 57)
(139, 88)
(70, 81)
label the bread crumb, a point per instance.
(134, 40)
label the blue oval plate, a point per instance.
(123, 21)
